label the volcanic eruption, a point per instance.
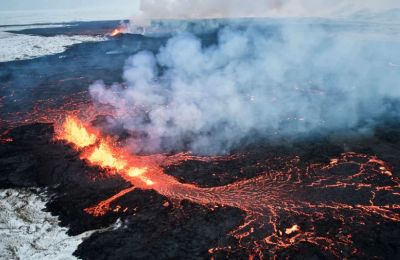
(117, 31)
(210, 138)
(306, 194)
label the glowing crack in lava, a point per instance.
(282, 208)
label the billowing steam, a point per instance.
(259, 78)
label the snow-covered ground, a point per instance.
(20, 46)
(17, 46)
(27, 232)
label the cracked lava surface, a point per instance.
(283, 208)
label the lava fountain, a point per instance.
(273, 201)
(117, 31)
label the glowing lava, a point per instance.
(74, 132)
(117, 31)
(104, 156)
(102, 152)
(271, 201)
(292, 229)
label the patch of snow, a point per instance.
(21, 47)
(28, 232)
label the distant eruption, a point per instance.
(117, 31)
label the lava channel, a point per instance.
(348, 189)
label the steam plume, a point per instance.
(200, 9)
(264, 79)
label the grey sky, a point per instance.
(12, 5)
(44, 11)
(263, 8)
(30, 11)
(133, 5)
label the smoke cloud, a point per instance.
(200, 9)
(259, 78)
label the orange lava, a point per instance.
(292, 229)
(99, 151)
(270, 200)
(103, 207)
(104, 156)
(74, 132)
(116, 32)
(102, 152)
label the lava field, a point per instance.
(333, 196)
(315, 199)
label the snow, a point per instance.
(27, 232)
(21, 47)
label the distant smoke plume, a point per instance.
(260, 78)
(200, 9)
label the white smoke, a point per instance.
(151, 13)
(265, 79)
(200, 9)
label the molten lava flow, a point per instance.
(104, 156)
(273, 201)
(101, 152)
(74, 132)
(292, 229)
(103, 207)
(104, 153)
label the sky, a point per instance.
(263, 8)
(7, 5)
(15, 11)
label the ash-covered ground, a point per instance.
(332, 195)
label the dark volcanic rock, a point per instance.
(145, 224)
(19, 159)
(149, 225)
(159, 233)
